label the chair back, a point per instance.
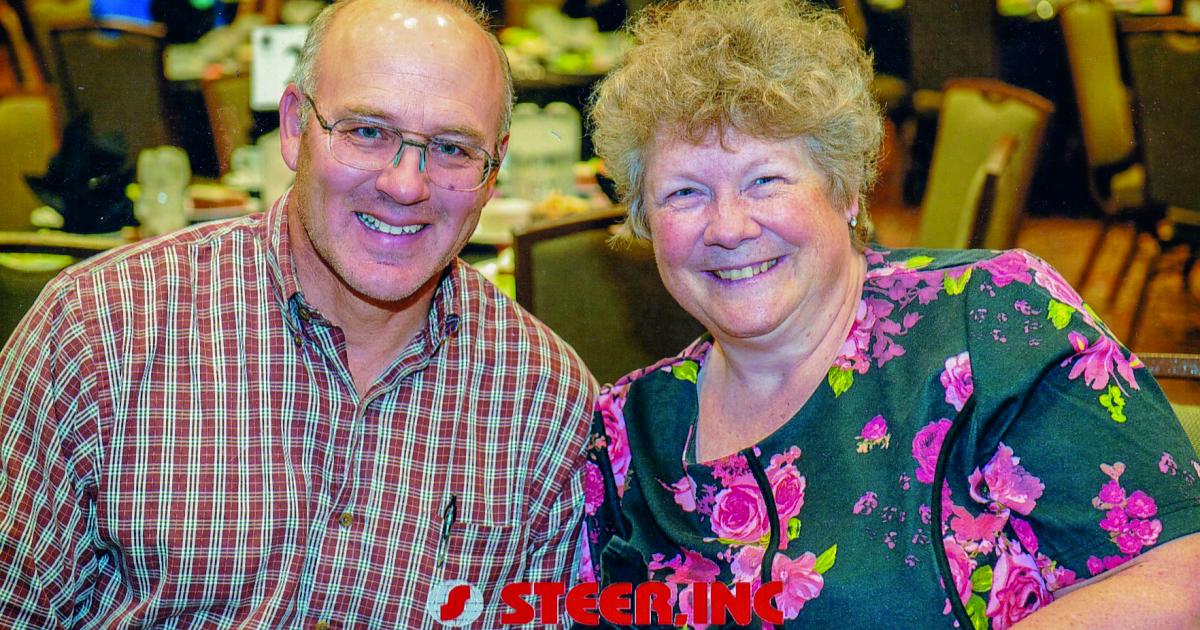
(28, 260)
(24, 60)
(605, 299)
(949, 39)
(228, 102)
(986, 128)
(1105, 119)
(113, 71)
(1164, 65)
(28, 134)
(1175, 372)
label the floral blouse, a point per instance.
(981, 373)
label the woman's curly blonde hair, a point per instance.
(776, 69)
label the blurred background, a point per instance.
(1066, 127)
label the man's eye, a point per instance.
(365, 133)
(683, 193)
(448, 149)
(766, 179)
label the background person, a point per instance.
(899, 437)
(308, 417)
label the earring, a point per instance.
(854, 221)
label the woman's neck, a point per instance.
(751, 387)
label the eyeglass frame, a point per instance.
(489, 165)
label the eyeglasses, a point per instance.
(371, 146)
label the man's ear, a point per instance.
(291, 135)
(501, 151)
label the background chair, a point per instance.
(28, 260)
(28, 134)
(604, 299)
(1171, 370)
(1164, 65)
(1115, 179)
(986, 127)
(228, 102)
(113, 71)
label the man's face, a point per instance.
(386, 235)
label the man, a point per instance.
(315, 417)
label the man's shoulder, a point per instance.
(180, 248)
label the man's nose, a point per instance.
(730, 223)
(404, 178)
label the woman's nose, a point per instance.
(731, 223)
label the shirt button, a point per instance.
(298, 339)
(345, 519)
(321, 625)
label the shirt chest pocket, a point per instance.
(485, 542)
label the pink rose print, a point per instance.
(684, 491)
(747, 564)
(956, 378)
(874, 433)
(1017, 590)
(977, 533)
(1099, 565)
(740, 514)
(1006, 268)
(1046, 277)
(788, 487)
(1112, 492)
(593, 488)
(693, 567)
(1097, 361)
(1024, 534)
(925, 448)
(1007, 482)
(1140, 505)
(961, 566)
(1128, 518)
(611, 403)
(800, 582)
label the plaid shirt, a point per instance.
(182, 446)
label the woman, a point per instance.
(910, 438)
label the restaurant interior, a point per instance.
(1064, 127)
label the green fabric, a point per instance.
(1069, 462)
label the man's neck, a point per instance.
(376, 332)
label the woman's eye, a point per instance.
(682, 193)
(766, 179)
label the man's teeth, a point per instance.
(387, 228)
(745, 272)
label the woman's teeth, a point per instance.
(745, 272)
(387, 228)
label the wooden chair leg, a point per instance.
(1126, 263)
(1139, 308)
(1094, 254)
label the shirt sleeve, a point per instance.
(1072, 437)
(558, 510)
(48, 555)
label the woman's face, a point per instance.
(745, 236)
